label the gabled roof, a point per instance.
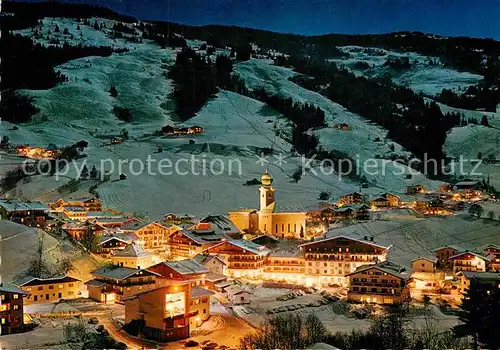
(451, 246)
(120, 272)
(205, 259)
(222, 223)
(17, 205)
(245, 245)
(384, 195)
(122, 237)
(472, 253)
(348, 237)
(198, 292)
(33, 281)
(385, 266)
(133, 251)
(186, 267)
(135, 226)
(432, 259)
(215, 277)
(234, 290)
(489, 276)
(74, 209)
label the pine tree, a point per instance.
(472, 313)
(89, 239)
(85, 172)
(93, 173)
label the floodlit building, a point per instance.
(382, 283)
(48, 290)
(112, 283)
(237, 295)
(425, 274)
(386, 200)
(443, 254)
(200, 306)
(267, 219)
(469, 261)
(152, 235)
(242, 258)
(11, 309)
(111, 243)
(26, 213)
(134, 256)
(330, 260)
(187, 271)
(186, 244)
(77, 229)
(161, 314)
(491, 279)
(351, 198)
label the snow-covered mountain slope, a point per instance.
(363, 141)
(421, 77)
(237, 129)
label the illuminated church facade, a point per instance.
(266, 220)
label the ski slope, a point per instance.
(422, 77)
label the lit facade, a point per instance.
(382, 283)
(266, 219)
(48, 290)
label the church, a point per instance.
(266, 220)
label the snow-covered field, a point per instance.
(422, 77)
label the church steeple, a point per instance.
(267, 201)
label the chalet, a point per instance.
(185, 244)
(89, 204)
(443, 254)
(114, 222)
(425, 274)
(214, 279)
(152, 235)
(134, 256)
(213, 263)
(487, 279)
(200, 306)
(386, 200)
(77, 229)
(351, 198)
(180, 272)
(11, 309)
(342, 126)
(48, 290)
(112, 283)
(330, 259)
(161, 314)
(285, 265)
(382, 283)
(428, 206)
(469, 261)
(492, 251)
(236, 295)
(26, 213)
(242, 258)
(179, 219)
(110, 243)
(415, 189)
(424, 264)
(75, 213)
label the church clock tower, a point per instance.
(267, 200)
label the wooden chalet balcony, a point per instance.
(383, 285)
(346, 257)
(378, 292)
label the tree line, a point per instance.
(418, 126)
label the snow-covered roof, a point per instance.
(120, 272)
(186, 267)
(17, 205)
(133, 251)
(198, 292)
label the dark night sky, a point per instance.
(477, 18)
